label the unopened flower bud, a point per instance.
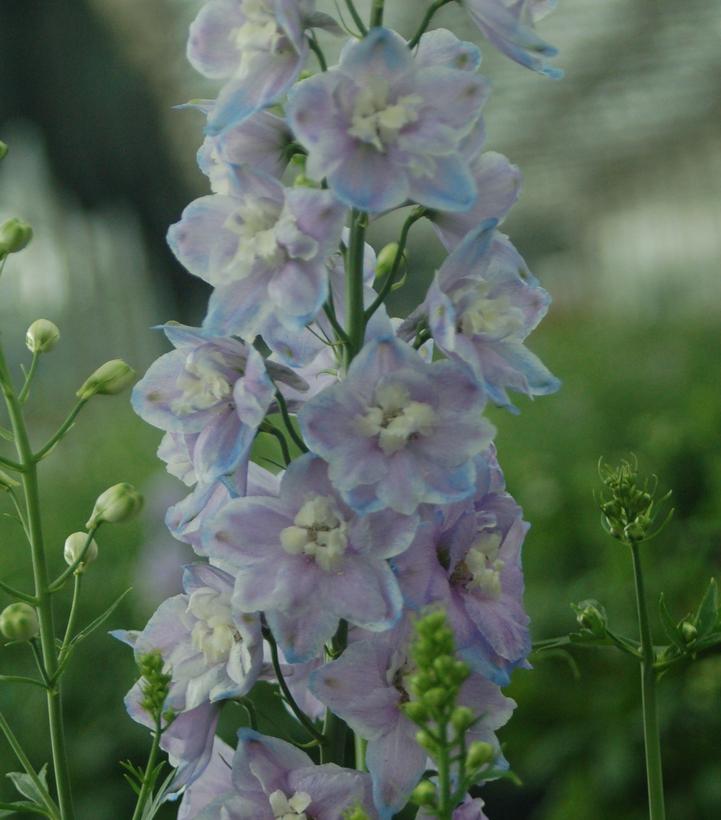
(74, 546)
(462, 718)
(108, 380)
(689, 632)
(437, 697)
(386, 259)
(592, 617)
(7, 483)
(42, 336)
(479, 754)
(424, 794)
(14, 236)
(118, 503)
(19, 622)
(3, 150)
(416, 711)
(425, 740)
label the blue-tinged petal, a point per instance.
(302, 633)
(211, 48)
(396, 763)
(441, 47)
(366, 179)
(382, 53)
(222, 446)
(451, 188)
(262, 762)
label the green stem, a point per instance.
(334, 728)
(43, 594)
(16, 593)
(287, 694)
(72, 617)
(288, 422)
(413, 217)
(10, 465)
(22, 679)
(361, 746)
(25, 392)
(354, 313)
(377, 13)
(64, 427)
(651, 735)
(426, 21)
(280, 438)
(445, 808)
(318, 51)
(148, 776)
(357, 19)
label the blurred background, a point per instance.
(620, 219)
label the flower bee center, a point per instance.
(258, 35)
(398, 674)
(202, 382)
(319, 531)
(395, 419)
(289, 808)
(214, 633)
(378, 121)
(481, 568)
(491, 317)
(256, 223)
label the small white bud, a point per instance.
(19, 622)
(108, 380)
(121, 502)
(74, 545)
(42, 336)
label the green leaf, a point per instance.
(22, 807)
(707, 613)
(669, 625)
(100, 620)
(28, 787)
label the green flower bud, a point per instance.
(14, 236)
(108, 380)
(462, 718)
(424, 794)
(356, 813)
(74, 545)
(437, 697)
(689, 632)
(386, 259)
(479, 754)
(119, 503)
(7, 483)
(42, 336)
(19, 622)
(3, 150)
(592, 617)
(421, 682)
(425, 740)
(416, 711)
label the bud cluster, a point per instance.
(155, 686)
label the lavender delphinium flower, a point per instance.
(469, 809)
(306, 560)
(384, 130)
(480, 308)
(508, 25)
(264, 247)
(273, 780)
(367, 685)
(218, 388)
(215, 780)
(399, 431)
(467, 558)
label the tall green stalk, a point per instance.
(43, 595)
(651, 734)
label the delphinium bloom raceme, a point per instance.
(384, 497)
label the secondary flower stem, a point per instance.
(651, 736)
(335, 729)
(43, 595)
(426, 21)
(355, 318)
(356, 17)
(145, 789)
(377, 13)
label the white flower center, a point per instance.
(214, 633)
(484, 565)
(395, 419)
(377, 121)
(256, 223)
(293, 808)
(319, 531)
(495, 317)
(258, 36)
(202, 382)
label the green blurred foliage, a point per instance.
(575, 741)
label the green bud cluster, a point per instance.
(155, 685)
(591, 617)
(434, 709)
(628, 504)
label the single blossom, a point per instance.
(273, 780)
(307, 561)
(215, 780)
(258, 46)
(213, 650)
(214, 387)
(508, 25)
(480, 308)
(467, 558)
(399, 431)
(383, 129)
(264, 248)
(367, 686)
